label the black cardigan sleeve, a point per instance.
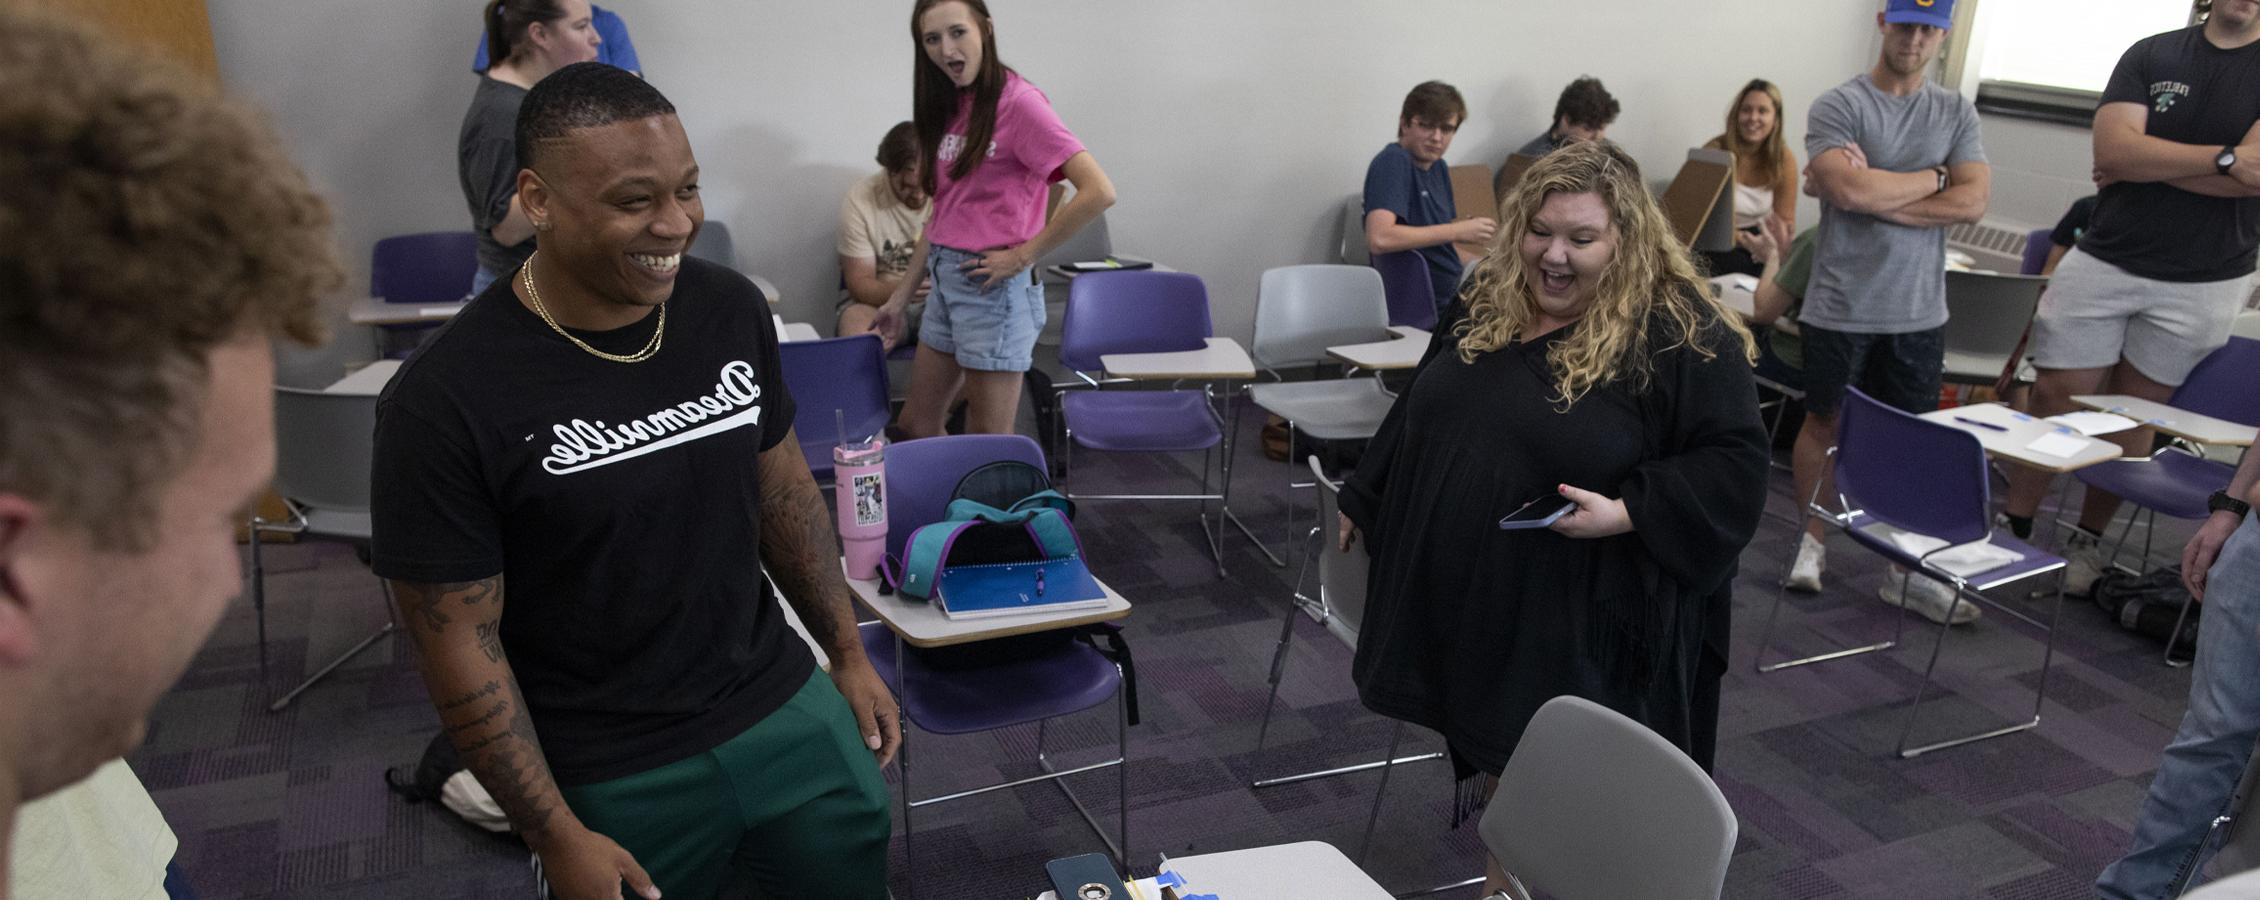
(1696, 505)
(1361, 492)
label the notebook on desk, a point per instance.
(1009, 589)
(1109, 264)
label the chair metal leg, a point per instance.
(1121, 764)
(2040, 688)
(1224, 494)
(259, 594)
(2180, 619)
(1781, 595)
(1365, 844)
(392, 624)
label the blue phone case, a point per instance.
(1508, 522)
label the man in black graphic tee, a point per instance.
(603, 438)
(2167, 259)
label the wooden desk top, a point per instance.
(1222, 358)
(2180, 423)
(2014, 433)
(1401, 352)
(922, 624)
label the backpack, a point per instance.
(1003, 512)
(2150, 604)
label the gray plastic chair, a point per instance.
(1350, 250)
(1301, 311)
(1594, 806)
(1339, 605)
(324, 444)
(2245, 886)
(713, 244)
(1091, 243)
(1986, 315)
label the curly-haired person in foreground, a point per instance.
(153, 241)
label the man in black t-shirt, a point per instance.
(2167, 261)
(603, 435)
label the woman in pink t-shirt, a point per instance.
(986, 307)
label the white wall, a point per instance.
(1232, 130)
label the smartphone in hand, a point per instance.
(1537, 513)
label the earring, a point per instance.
(541, 226)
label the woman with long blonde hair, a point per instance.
(1556, 502)
(1765, 176)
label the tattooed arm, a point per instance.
(458, 631)
(802, 554)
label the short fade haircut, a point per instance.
(1435, 102)
(145, 221)
(583, 95)
(1585, 102)
(898, 151)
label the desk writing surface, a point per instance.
(1402, 352)
(1063, 273)
(1222, 358)
(798, 331)
(368, 380)
(375, 311)
(2180, 423)
(1302, 871)
(921, 624)
(2016, 432)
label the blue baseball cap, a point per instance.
(1936, 13)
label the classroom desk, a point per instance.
(797, 331)
(1730, 290)
(1062, 274)
(1299, 871)
(1401, 352)
(2015, 431)
(367, 380)
(2179, 423)
(922, 624)
(375, 311)
(1222, 359)
(1225, 361)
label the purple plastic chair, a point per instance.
(847, 375)
(432, 267)
(951, 696)
(1404, 280)
(2036, 251)
(1897, 472)
(1141, 312)
(2177, 480)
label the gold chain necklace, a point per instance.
(639, 356)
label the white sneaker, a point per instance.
(2084, 561)
(1930, 598)
(1805, 573)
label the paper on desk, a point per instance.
(2093, 422)
(435, 310)
(2057, 444)
(1965, 560)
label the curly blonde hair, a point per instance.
(145, 221)
(1650, 282)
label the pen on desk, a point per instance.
(1988, 425)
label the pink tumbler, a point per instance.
(859, 484)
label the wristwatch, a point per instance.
(1942, 179)
(2227, 159)
(2221, 500)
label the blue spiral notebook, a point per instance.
(1007, 589)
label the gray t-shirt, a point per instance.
(486, 163)
(1871, 276)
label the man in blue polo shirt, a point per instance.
(1408, 189)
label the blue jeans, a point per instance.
(2208, 754)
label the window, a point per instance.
(2049, 59)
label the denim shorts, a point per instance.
(1898, 370)
(988, 328)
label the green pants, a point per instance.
(794, 807)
